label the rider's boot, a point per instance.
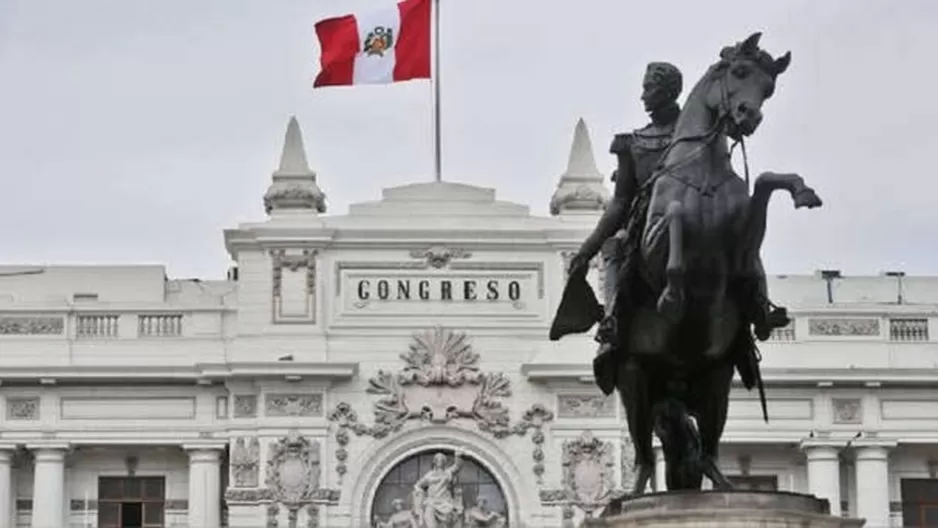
(767, 317)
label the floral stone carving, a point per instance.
(588, 476)
(441, 381)
(245, 462)
(438, 257)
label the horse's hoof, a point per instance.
(671, 305)
(807, 198)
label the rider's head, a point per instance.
(661, 86)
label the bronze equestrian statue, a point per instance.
(692, 294)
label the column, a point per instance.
(661, 481)
(824, 474)
(204, 487)
(872, 465)
(6, 485)
(49, 487)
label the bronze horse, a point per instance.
(699, 265)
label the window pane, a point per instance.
(153, 488)
(153, 514)
(110, 488)
(133, 488)
(108, 514)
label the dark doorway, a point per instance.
(131, 515)
(131, 502)
(919, 502)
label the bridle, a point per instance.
(706, 139)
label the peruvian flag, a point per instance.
(378, 47)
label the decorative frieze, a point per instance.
(441, 381)
(31, 325)
(847, 410)
(22, 408)
(585, 406)
(245, 406)
(439, 257)
(842, 326)
(293, 301)
(301, 405)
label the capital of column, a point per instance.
(6, 452)
(49, 452)
(207, 454)
(873, 450)
(821, 450)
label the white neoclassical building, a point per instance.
(392, 365)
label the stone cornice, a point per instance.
(807, 377)
(209, 372)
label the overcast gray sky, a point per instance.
(134, 131)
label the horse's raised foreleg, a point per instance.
(671, 300)
(751, 235)
(752, 230)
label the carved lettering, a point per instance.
(437, 290)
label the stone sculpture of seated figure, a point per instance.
(480, 516)
(400, 518)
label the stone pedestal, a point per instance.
(721, 509)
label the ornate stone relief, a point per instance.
(304, 262)
(245, 462)
(293, 404)
(245, 406)
(585, 406)
(588, 476)
(440, 382)
(23, 408)
(31, 325)
(439, 256)
(627, 463)
(831, 326)
(293, 470)
(847, 410)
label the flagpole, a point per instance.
(437, 147)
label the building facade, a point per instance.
(390, 367)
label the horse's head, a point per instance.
(744, 80)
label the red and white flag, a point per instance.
(378, 47)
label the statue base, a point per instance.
(720, 509)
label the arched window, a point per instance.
(472, 482)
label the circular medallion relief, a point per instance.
(439, 489)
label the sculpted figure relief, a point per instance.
(691, 295)
(401, 518)
(434, 494)
(480, 516)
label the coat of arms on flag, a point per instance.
(379, 40)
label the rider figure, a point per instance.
(639, 154)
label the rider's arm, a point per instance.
(617, 209)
